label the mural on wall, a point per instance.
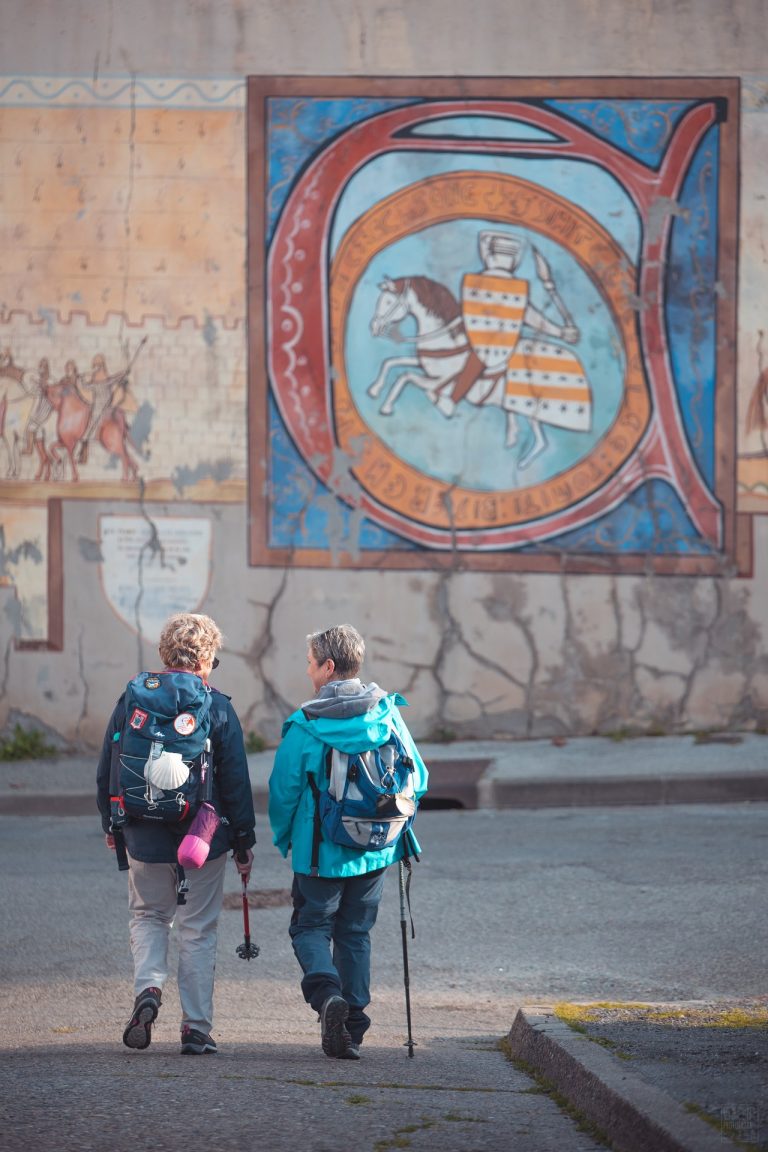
(492, 323)
(122, 298)
(753, 291)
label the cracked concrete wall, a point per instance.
(477, 654)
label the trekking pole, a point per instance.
(246, 950)
(409, 1043)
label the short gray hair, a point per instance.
(343, 644)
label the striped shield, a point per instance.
(548, 383)
(493, 308)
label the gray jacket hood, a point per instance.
(343, 698)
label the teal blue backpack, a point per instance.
(369, 802)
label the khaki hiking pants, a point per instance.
(153, 907)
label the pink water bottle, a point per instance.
(194, 848)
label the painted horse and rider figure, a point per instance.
(477, 351)
(85, 407)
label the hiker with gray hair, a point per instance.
(178, 704)
(337, 884)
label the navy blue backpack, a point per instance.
(158, 764)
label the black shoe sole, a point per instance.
(138, 1032)
(335, 1038)
(198, 1050)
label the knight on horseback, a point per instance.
(477, 352)
(100, 391)
(494, 313)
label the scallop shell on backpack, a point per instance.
(167, 771)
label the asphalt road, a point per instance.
(516, 906)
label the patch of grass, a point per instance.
(575, 1024)
(575, 1015)
(433, 1087)
(715, 1017)
(712, 736)
(442, 736)
(400, 1137)
(25, 744)
(457, 1118)
(355, 1099)
(255, 742)
(619, 735)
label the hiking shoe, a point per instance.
(333, 1026)
(138, 1030)
(194, 1043)
(351, 1052)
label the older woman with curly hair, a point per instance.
(188, 646)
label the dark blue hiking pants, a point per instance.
(330, 931)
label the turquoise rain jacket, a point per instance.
(352, 717)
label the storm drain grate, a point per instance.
(453, 784)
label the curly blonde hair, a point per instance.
(189, 639)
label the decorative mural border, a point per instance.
(121, 91)
(310, 252)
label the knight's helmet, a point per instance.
(500, 251)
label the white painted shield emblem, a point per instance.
(493, 308)
(151, 569)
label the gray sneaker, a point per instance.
(333, 1026)
(352, 1052)
(138, 1030)
(194, 1043)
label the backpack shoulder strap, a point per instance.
(314, 864)
(401, 749)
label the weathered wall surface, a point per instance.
(124, 230)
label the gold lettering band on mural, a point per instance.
(508, 200)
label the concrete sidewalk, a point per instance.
(594, 771)
(647, 1083)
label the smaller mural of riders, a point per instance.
(49, 426)
(494, 326)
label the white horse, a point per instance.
(22, 410)
(445, 365)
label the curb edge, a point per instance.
(634, 1115)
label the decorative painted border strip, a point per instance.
(120, 92)
(49, 316)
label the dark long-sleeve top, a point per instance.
(155, 842)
